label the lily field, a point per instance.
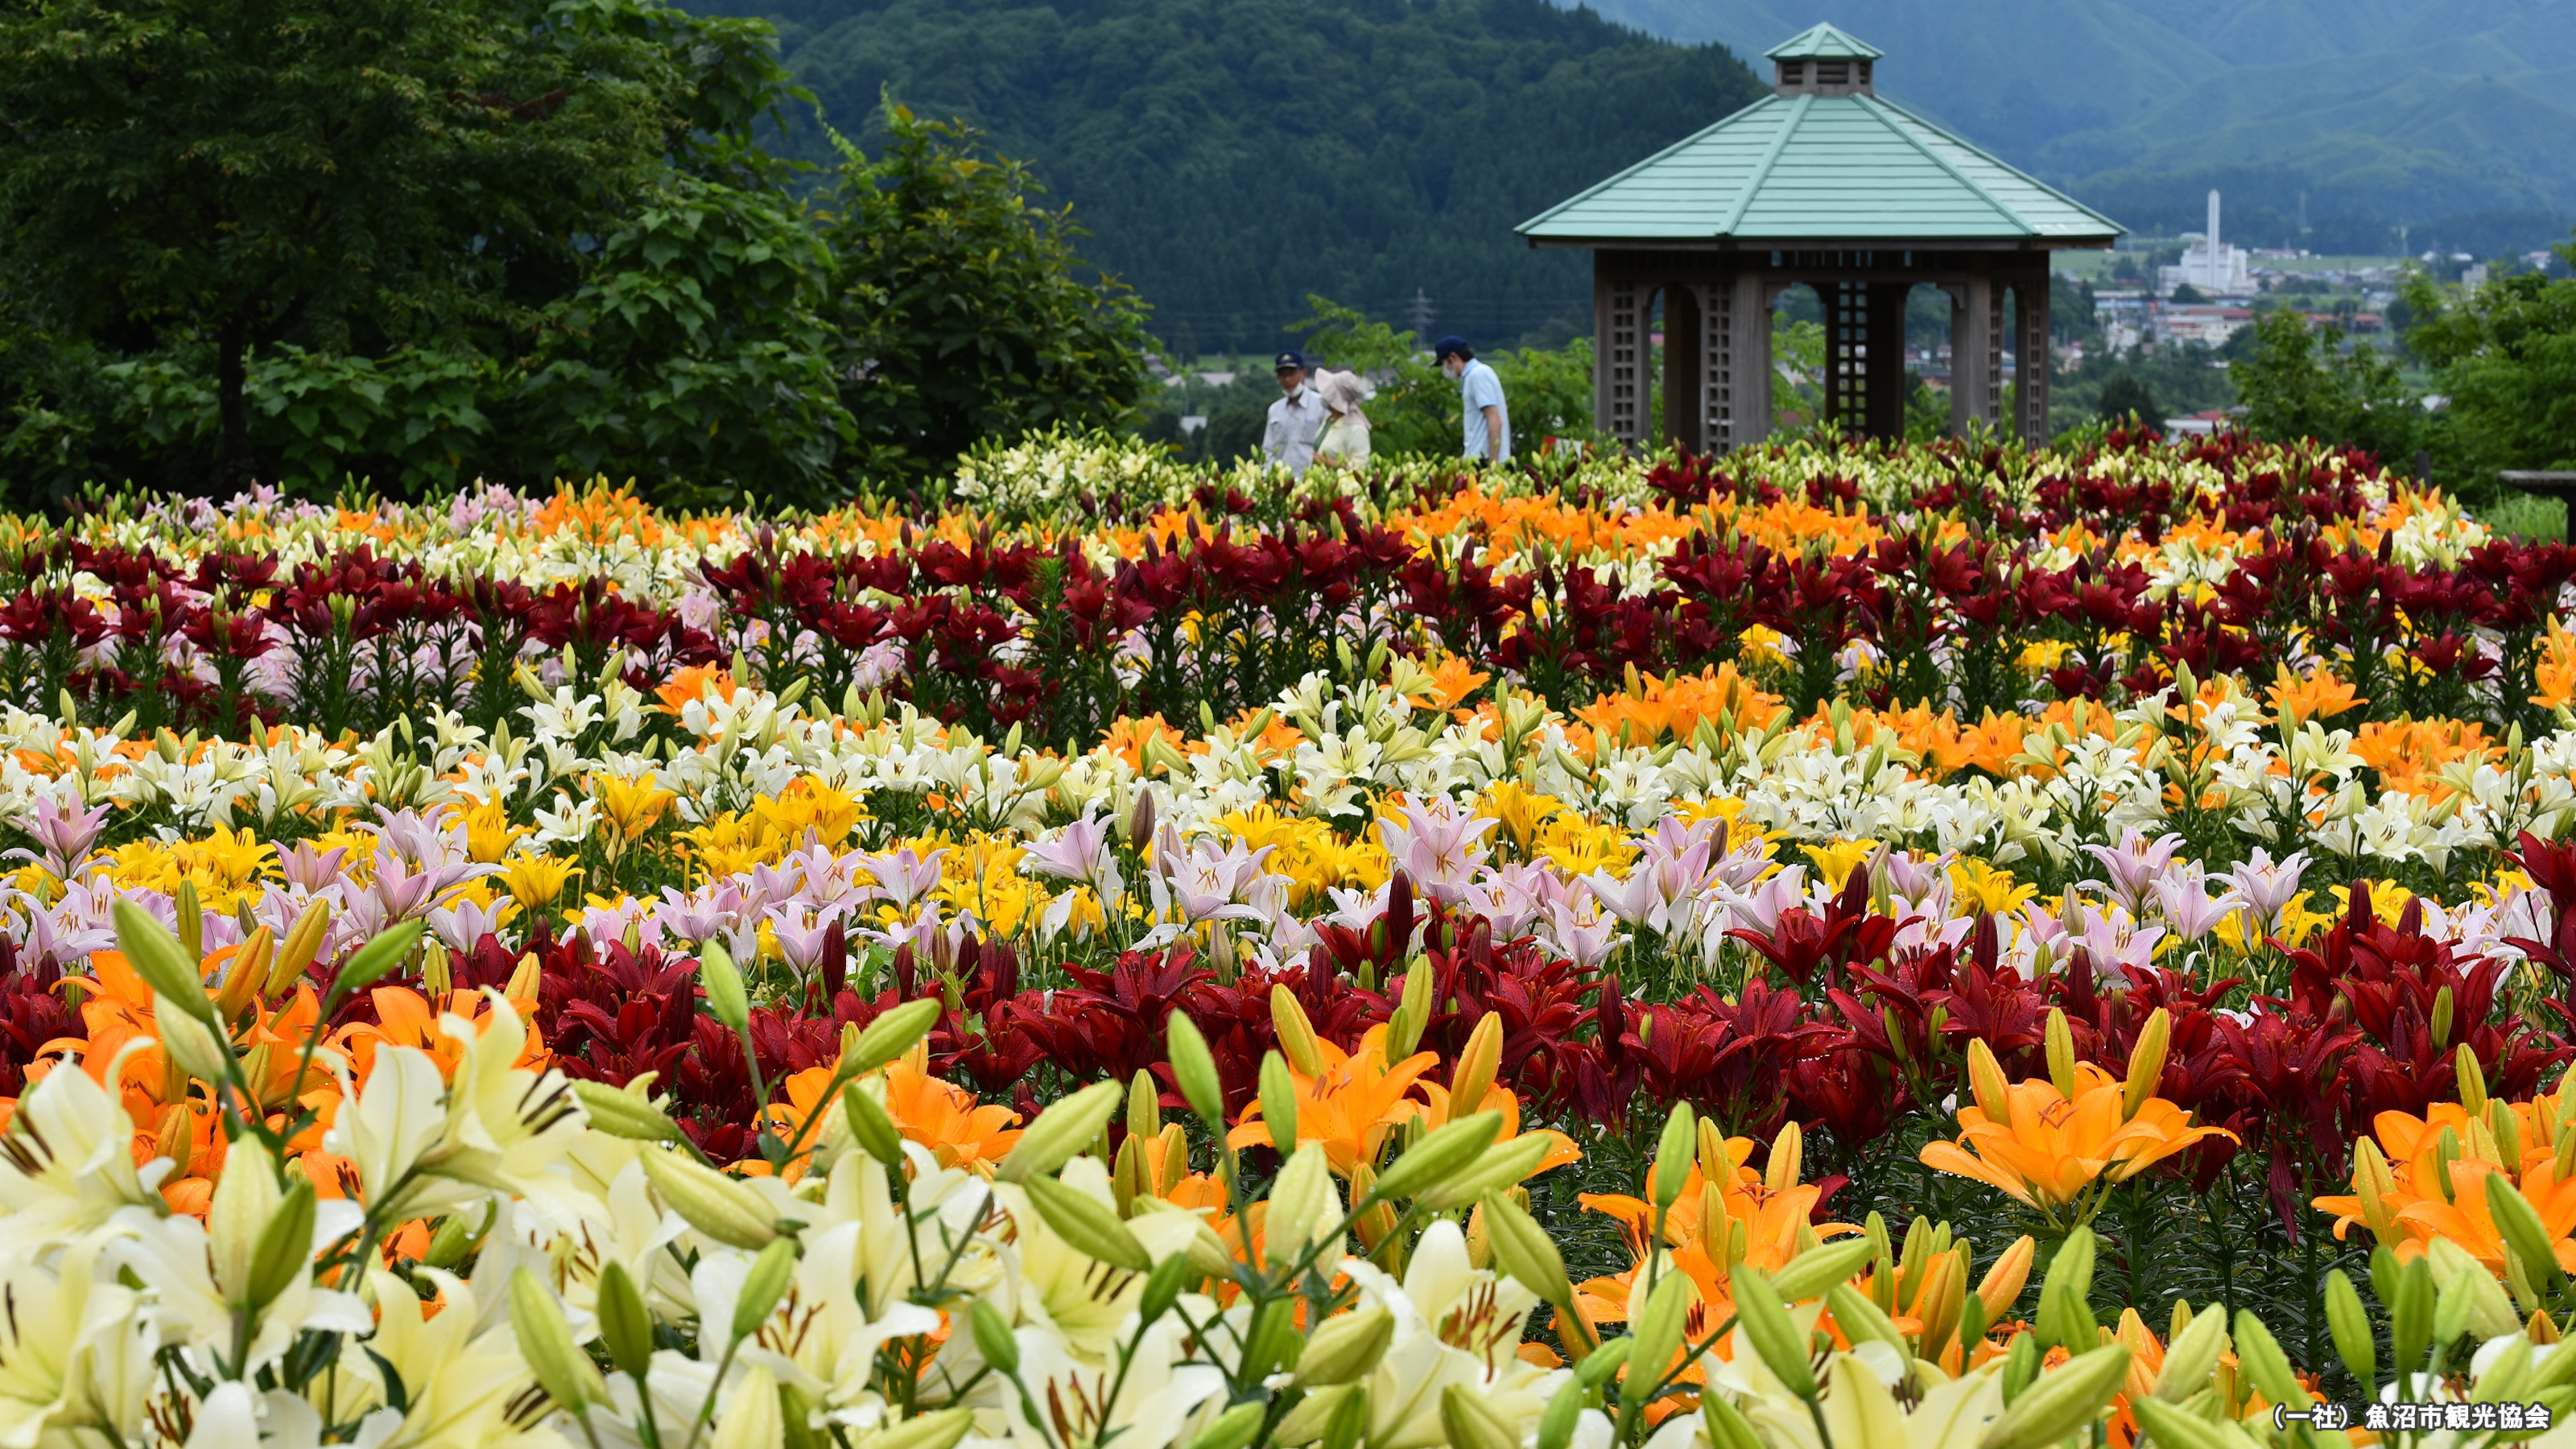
(1924, 946)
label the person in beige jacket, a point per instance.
(1345, 439)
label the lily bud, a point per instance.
(1088, 1227)
(1347, 1347)
(1764, 1321)
(2062, 1401)
(245, 1205)
(2061, 1053)
(522, 985)
(1564, 1414)
(1060, 1132)
(891, 1035)
(762, 1287)
(623, 1112)
(717, 1206)
(1412, 1012)
(1144, 1108)
(2473, 1079)
(2065, 1311)
(285, 1245)
(625, 1325)
(2525, 1235)
(938, 1429)
(1279, 1103)
(2001, 1288)
(303, 942)
(1525, 1251)
(1476, 1065)
(188, 1041)
(2181, 1428)
(2195, 1351)
(1862, 1321)
(436, 980)
(2146, 1063)
(157, 957)
(1788, 1154)
(1986, 1081)
(1296, 1034)
(1472, 1423)
(2260, 1356)
(2350, 1324)
(1236, 1427)
(726, 1001)
(1194, 1069)
(1672, 1156)
(1446, 1150)
(1504, 1167)
(1300, 1201)
(993, 1337)
(752, 1418)
(545, 1343)
(1812, 1272)
(244, 974)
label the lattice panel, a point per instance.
(1847, 358)
(1716, 366)
(1624, 362)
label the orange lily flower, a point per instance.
(944, 1117)
(1352, 1106)
(2058, 1154)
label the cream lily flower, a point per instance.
(1155, 1399)
(423, 1148)
(1063, 1288)
(461, 1388)
(200, 1274)
(66, 1160)
(1454, 1324)
(76, 1353)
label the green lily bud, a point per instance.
(938, 1429)
(721, 1208)
(164, 965)
(726, 1001)
(2259, 1354)
(1060, 1132)
(1348, 1420)
(625, 1325)
(1234, 1428)
(1604, 1361)
(1564, 1412)
(2523, 1231)
(1764, 1319)
(1347, 1347)
(1302, 1204)
(1497, 1170)
(993, 1338)
(870, 1127)
(285, 1252)
(2065, 1308)
(1474, 1424)
(189, 1042)
(2061, 1402)
(545, 1342)
(624, 1113)
(1089, 1227)
(1727, 1426)
(1279, 1103)
(891, 1035)
(1673, 1155)
(1271, 1343)
(376, 958)
(2350, 1324)
(1445, 1150)
(1810, 1273)
(1524, 1250)
(1194, 1069)
(2194, 1354)
(2021, 1365)
(1163, 1287)
(2175, 1428)
(1862, 1321)
(762, 1287)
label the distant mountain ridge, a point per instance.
(2382, 111)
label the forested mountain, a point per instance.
(1231, 156)
(2448, 117)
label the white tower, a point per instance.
(2214, 252)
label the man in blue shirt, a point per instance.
(1488, 423)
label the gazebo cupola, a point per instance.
(1821, 183)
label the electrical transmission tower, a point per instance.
(1422, 313)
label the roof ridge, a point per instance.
(1762, 169)
(1871, 103)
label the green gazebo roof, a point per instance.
(1822, 168)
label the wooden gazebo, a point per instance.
(1823, 183)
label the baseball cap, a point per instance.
(1447, 347)
(1291, 358)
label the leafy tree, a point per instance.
(225, 176)
(2302, 381)
(966, 310)
(2505, 354)
(2126, 395)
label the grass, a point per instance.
(2525, 516)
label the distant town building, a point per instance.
(2209, 265)
(2208, 326)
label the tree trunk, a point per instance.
(232, 403)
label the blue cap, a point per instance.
(1291, 358)
(1450, 346)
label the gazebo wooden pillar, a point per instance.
(1823, 185)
